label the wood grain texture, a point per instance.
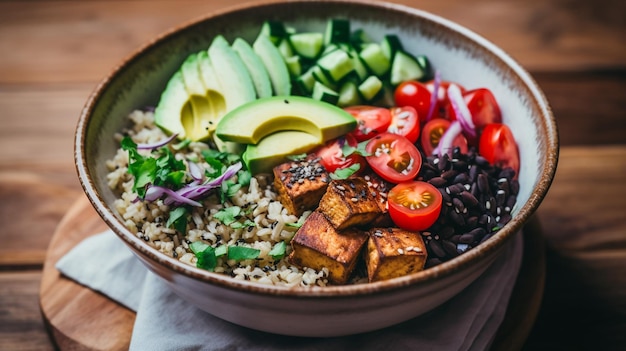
(80, 318)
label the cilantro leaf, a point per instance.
(221, 250)
(205, 254)
(228, 215)
(178, 218)
(298, 157)
(239, 253)
(246, 223)
(345, 173)
(347, 150)
(278, 251)
(243, 177)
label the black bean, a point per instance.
(510, 201)
(507, 172)
(446, 232)
(504, 219)
(443, 162)
(444, 194)
(481, 161)
(436, 248)
(450, 248)
(458, 204)
(473, 173)
(460, 165)
(466, 238)
(431, 262)
(457, 218)
(437, 182)
(455, 238)
(449, 174)
(455, 189)
(472, 221)
(468, 199)
(461, 178)
(500, 198)
(483, 183)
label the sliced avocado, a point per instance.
(233, 77)
(173, 106)
(251, 122)
(255, 66)
(217, 103)
(200, 124)
(275, 65)
(274, 149)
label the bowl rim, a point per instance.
(495, 243)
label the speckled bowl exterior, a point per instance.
(458, 53)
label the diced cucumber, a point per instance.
(359, 69)
(349, 94)
(308, 45)
(337, 31)
(336, 64)
(405, 67)
(374, 59)
(294, 65)
(359, 37)
(390, 45)
(324, 93)
(306, 81)
(275, 30)
(426, 67)
(370, 88)
(320, 76)
(284, 47)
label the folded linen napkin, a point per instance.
(164, 321)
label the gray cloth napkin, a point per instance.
(164, 321)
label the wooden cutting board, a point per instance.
(79, 318)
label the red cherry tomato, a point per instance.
(393, 157)
(331, 154)
(404, 121)
(415, 94)
(415, 205)
(432, 133)
(371, 120)
(442, 96)
(497, 144)
(482, 106)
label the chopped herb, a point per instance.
(205, 254)
(495, 229)
(246, 223)
(229, 189)
(243, 177)
(221, 250)
(348, 150)
(178, 218)
(278, 251)
(239, 253)
(228, 215)
(345, 173)
(181, 145)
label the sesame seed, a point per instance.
(400, 251)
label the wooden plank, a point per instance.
(62, 41)
(21, 326)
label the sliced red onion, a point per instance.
(196, 191)
(154, 192)
(158, 144)
(195, 171)
(447, 139)
(434, 97)
(463, 114)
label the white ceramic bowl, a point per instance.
(457, 52)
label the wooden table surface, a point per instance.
(53, 53)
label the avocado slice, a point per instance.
(173, 106)
(258, 73)
(273, 150)
(275, 65)
(233, 77)
(251, 122)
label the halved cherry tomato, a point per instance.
(404, 121)
(415, 205)
(442, 96)
(331, 154)
(393, 157)
(497, 144)
(371, 120)
(415, 94)
(482, 106)
(432, 133)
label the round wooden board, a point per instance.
(79, 318)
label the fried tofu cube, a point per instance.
(379, 188)
(394, 252)
(348, 203)
(317, 244)
(300, 184)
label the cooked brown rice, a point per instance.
(147, 219)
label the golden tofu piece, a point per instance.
(348, 203)
(300, 184)
(394, 252)
(317, 244)
(379, 188)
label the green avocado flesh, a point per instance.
(250, 122)
(274, 149)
